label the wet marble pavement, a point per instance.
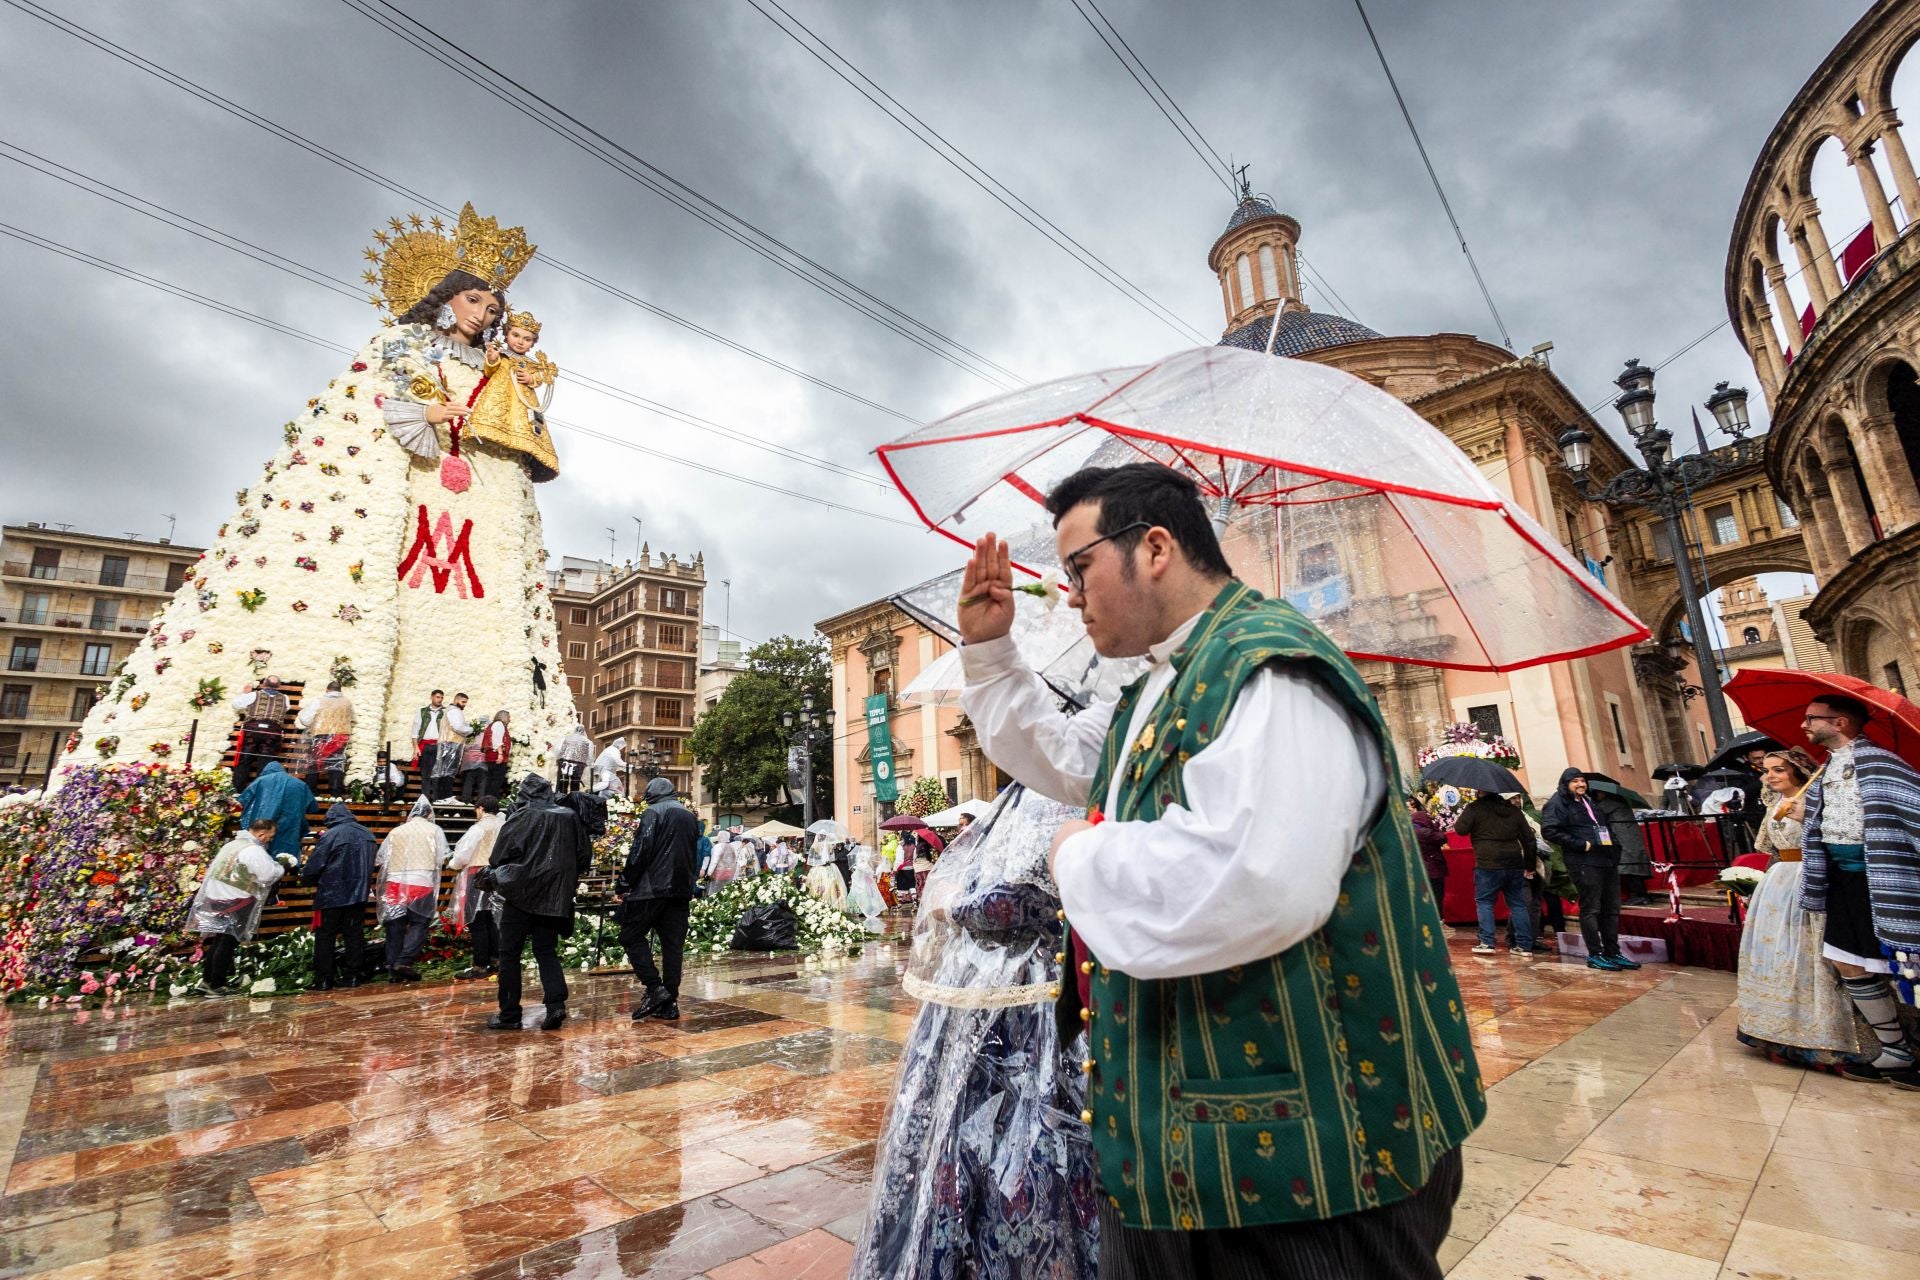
(382, 1131)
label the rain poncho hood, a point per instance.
(664, 859)
(576, 747)
(660, 789)
(279, 795)
(540, 852)
(341, 863)
(410, 860)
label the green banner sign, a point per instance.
(880, 750)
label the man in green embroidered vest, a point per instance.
(1279, 1071)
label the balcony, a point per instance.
(59, 668)
(87, 622)
(89, 577)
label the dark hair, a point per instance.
(1797, 760)
(456, 281)
(1851, 707)
(459, 695)
(263, 824)
(333, 686)
(438, 693)
(1144, 493)
(488, 804)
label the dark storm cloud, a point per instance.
(1594, 154)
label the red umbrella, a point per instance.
(902, 822)
(1775, 701)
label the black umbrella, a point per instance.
(1689, 771)
(1473, 772)
(1736, 749)
(1601, 782)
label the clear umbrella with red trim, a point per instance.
(1331, 494)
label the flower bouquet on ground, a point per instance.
(823, 928)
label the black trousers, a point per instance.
(406, 938)
(668, 918)
(216, 958)
(516, 928)
(496, 781)
(258, 748)
(486, 941)
(1398, 1241)
(336, 923)
(1599, 905)
(473, 783)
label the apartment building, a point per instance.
(72, 606)
(630, 643)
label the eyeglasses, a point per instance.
(1071, 564)
(1813, 719)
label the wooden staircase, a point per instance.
(293, 907)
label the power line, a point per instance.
(1224, 174)
(967, 167)
(285, 134)
(1440, 191)
(311, 275)
(631, 165)
(286, 330)
(1224, 166)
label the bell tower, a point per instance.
(1256, 261)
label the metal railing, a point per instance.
(87, 577)
(36, 666)
(77, 622)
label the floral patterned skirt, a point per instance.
(983, 1172)
(1791, 1002)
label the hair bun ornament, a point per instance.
(414, 254)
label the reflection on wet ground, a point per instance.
(383, 1131)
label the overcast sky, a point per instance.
(1593, 153)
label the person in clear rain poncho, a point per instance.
(226, 908)
(984, 1168)
(408, 890)
(824, 880)
(575, 754)
(863, 893)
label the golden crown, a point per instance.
(523, 320)
(416, 254)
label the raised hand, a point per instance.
(986, 593)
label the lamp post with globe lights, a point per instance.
(1665, 486)
(805, 727)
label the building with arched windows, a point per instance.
(1829, 310)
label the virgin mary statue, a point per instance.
(388, 544)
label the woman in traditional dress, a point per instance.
(984, 1167)
(824, 880)
(1792, 1006)
(863, 893)
(382, 538)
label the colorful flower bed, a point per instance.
(108, 864)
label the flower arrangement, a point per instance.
(341, 669)
(1740, 881)
(610, 849)
(211, 690)
(252, 598)
(822, 928)
(97, 866)
(106, 745)
(1444, 801)
(926, 795)
(306, 562)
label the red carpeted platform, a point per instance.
(1705, 940)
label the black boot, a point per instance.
(651, 1003)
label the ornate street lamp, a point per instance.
(1664, 486)
(805, 727)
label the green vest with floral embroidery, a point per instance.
(1323, 1080)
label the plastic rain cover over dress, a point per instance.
(1334, 495)
(410, 859)
(863, 894)
(984, 1168)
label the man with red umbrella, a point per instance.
(1862, 868)
(1278, 1071)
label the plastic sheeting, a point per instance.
(1335, 495)
(984, 1168)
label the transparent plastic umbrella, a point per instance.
(1331, 493)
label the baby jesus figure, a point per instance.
(510, 410)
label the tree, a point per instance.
(741, 743)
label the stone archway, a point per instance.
(1873, 649)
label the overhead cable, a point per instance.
(966, 166)
(1505, 338)
(286, 330)
(285, 134)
